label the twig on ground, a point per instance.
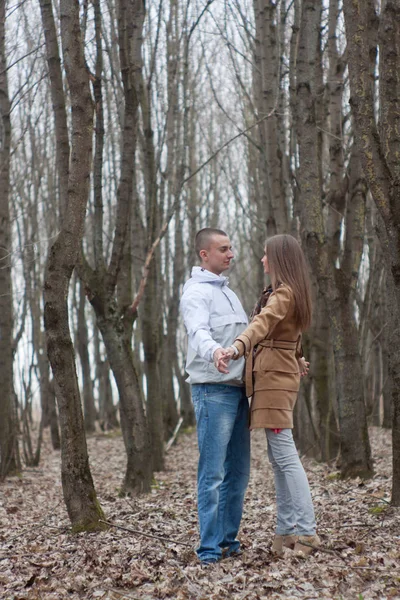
(319, 548)
(149, 535)
(347, 566)
(343, 526)
(122, 594)
(174, 435)
(63, 528)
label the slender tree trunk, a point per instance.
(89, 409)
(79, 493)
(322, 373)
(317, 433)
(376, 387)
(107, 411)
(305, 432)
(58, 99)
(348, 367)
(170, 409)
(170, 344)
(187, 410)
(355, 449)
(9, 456)
(150, 319)
(113, 322)
(379, 147)
(138, 473)
(53, 417)
(387, 385)
(62, 161)
(150, 314)
(266, 77)
(394, 374)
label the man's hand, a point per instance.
(221, 358)
(304, 366)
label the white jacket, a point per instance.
(213, 317)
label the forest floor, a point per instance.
(41, 559)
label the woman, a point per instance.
(274, 364)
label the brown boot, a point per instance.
(283, 541)
(307, 544)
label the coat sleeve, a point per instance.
(263, 324)
(195, 310)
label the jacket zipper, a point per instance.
(229, 300)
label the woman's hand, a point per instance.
(304, 366)
(222, 357)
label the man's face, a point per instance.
(217, 257)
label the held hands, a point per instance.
(222, 357)
(304, 366)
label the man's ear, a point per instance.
(203, 254)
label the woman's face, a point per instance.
(264, 261)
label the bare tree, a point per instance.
(336, 284)
(82, 344)
(79, 493)
(9, 456)
(267, 46)
(379, 148)
(101, 282)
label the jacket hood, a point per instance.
(200, 275)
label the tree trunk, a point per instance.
(379, 147)
(9, 456)
(150, 314)
(187, 410)
(53, 417)
(58, 100)
(376, 386)
(150, 317)
(114, 322)
(79, 493)
(351, 405)
(332, 282)
(322, 372)
(387, 385)
(138, 474)
(107, 411)
(305, 433)
(89, 409)
(394, 373)
(266, 88)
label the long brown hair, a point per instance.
(287, 264)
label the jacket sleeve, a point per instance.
(195, 310)
(263, 324)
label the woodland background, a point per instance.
(126, 127)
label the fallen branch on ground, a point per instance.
(174, 435)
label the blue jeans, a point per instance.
(224, 465)
(295, 512)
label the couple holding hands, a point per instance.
(221, 346)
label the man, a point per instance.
(214, 317)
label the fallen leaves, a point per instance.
(150, 554)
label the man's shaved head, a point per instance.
(203, 238)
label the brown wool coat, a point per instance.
(272, 370)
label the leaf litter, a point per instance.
(41, 559)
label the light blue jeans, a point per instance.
(224, 465)
(295, 511)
